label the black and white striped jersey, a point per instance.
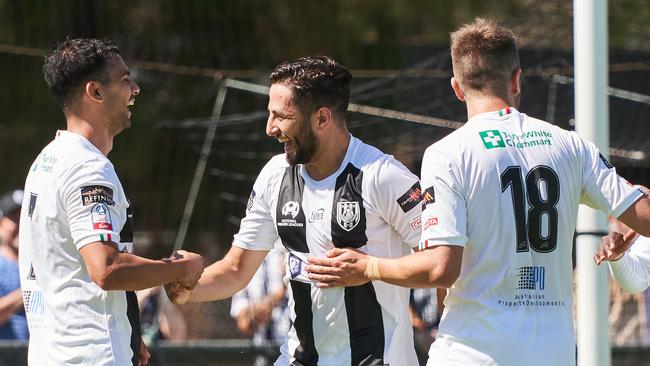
(372, 203)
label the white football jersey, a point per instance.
(507, 187)
(372, 203)
(73, 198)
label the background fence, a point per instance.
(181, 52)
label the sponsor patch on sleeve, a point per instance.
(417, 223)
(101, 217)
(607, 163)
(251, 200)
(97, 194)
(428, 197)
(410, 198)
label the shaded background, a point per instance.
(179, 52)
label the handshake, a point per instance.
(192, 267)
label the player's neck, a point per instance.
(100, 137)
(483, 104)
(329, 156)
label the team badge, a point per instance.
(101, 217)
(295, 265)
(348, 214)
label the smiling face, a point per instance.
(291, 126)
(119, 93)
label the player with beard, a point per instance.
(501, 197)
(328, 190)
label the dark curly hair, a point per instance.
(316, 81)
(74, 62)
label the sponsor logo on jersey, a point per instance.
(492, 139)
(431, 221)
(251, 200)
(416, 224)
(500, 139)
(607, 163)
(317, 215)
(31, 275)
(530, 277)
(348, 214)
(410, 198)
(96, 194)
(290, 211)
(101, 217)
(428, 197)
(295, 265)
(34, 302)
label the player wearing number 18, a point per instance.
(501, 196)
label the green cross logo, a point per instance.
(492, 139)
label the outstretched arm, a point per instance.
(438, 266)
(221, 279)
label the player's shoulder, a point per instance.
(370, 159)
(273, 169)
(70, 154)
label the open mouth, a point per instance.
(130, 104)
(282, 139)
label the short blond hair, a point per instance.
(484, 56)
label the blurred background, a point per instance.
(181, 52)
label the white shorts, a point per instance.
(445, 352)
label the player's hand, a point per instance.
(613, 246)
(342, 267)
(177, 293)
(193, 267)
(144, 354)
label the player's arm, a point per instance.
(437, 266)
(112, 270)
(637, 216)
(221, 279)
(10, 304)
(630, 268)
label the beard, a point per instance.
(304, 146)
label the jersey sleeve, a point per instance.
(444, 212)
(632, 271)
(398, 196)
(87, 196)
(602, 188)
(257, 230)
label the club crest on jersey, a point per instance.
(101, 217)
(295, 265)
(348, 214)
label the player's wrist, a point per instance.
(372, 269)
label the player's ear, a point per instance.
(457, 89)
(93, 91)
(322, 117)
(516, 82)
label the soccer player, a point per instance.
(327, 190)
(76, 227)
(501, 196)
